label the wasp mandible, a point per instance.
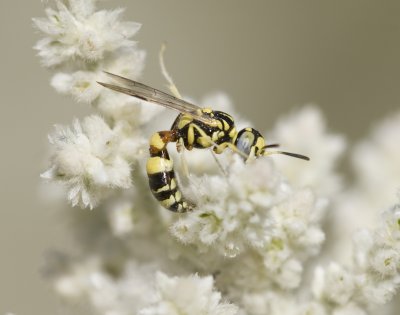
(195, 127)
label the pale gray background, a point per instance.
(269, 56)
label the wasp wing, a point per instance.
(147, 93)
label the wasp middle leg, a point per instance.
(160, 170)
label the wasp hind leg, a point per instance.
(171, 85)
(160, 171)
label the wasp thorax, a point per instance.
(250, 142)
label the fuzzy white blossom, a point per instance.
(254, 213)
(251, 207)
(82, 43)
(87, 161)
(374, 277)
(187, 296)
(76, 31)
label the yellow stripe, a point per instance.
(233, 133)
(178, 196)
(190, 135)
(163, 188)
(167, 187)
(156, 141)
(168, 202)
(184, 121)
(158, 164)
(215, 136)
(173, 184)
(226, 125)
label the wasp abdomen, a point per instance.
(160, 170)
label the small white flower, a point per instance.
(335, 284)
(83, 86)
(187, 296)
(86, 159)
(379, 292)
(386, 261)
(289, 275)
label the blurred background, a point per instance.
(268, 56)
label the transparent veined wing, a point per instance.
(147, 93)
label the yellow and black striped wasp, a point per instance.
(195, 127)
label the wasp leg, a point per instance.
(180, 148)
(218, 163)
(219, 148)
(160, 171)
(172, 87)
(204, 140)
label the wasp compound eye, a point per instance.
(249, 141)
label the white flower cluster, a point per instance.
(253, 210)
(88, 160)
(187, 296)
(374, 278)
(82, 43)
(94, 157)
(140, 289)
(76, 31)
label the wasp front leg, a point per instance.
(180, 145)
(202, 139)
(160, 170)
(219, 148)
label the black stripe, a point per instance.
(162, 154)
(159, 180)
(174, 207)
(166, 194)
(224, 116)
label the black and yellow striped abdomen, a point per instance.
(160, 170)
(190, 133)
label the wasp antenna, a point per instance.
(273, 145)
(299, 156)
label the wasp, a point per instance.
(194, 127)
